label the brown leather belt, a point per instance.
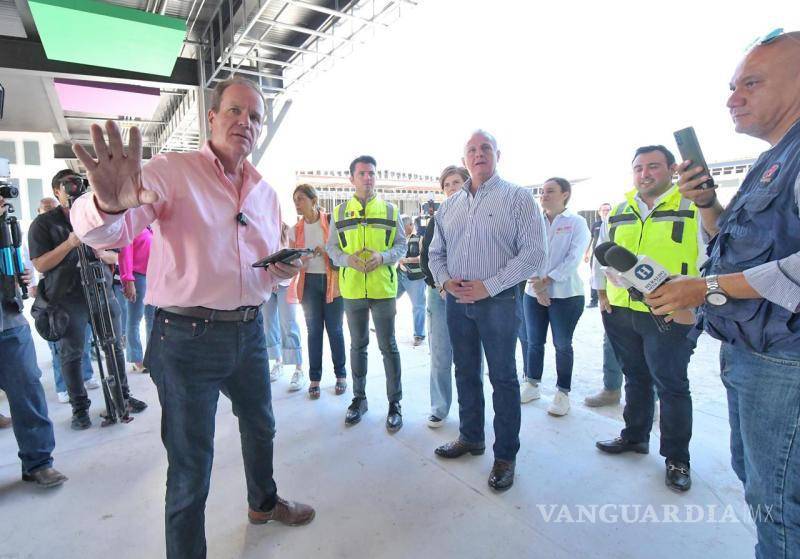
(242, 314)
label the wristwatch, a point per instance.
(715, 295)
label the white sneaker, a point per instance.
(298, 380)
(63, 397)
(276, 371)
(529, 392)
(560, 404)
(91, 384)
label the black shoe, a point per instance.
(394, 420)
(620, 445)
(136, 406)
(434, 421)
(678, 477)
(457, 448)
(502, 476)
(357, 408)
(591, 305)
(45, 477)
(81, 420)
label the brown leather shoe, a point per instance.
(457, 448)
(4, 421)
(45, 477)
(285, 512)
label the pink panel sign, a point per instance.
(110, 99)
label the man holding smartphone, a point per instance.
(208, 334)
(750, 296)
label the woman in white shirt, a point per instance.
(555, 297)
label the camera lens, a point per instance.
(7, 191)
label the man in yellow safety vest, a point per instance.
(365, 242)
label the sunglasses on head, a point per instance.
(766, 39)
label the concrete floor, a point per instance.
(387, 496)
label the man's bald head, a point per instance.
(765, 98)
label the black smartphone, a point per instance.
(285, 255)
(690, 150)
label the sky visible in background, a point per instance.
(569, 88)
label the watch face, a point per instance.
(716, 299)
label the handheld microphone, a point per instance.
(643, 274)
(601, 250)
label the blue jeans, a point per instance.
(612, 372)
(281, 329)
(383, 314)
(562, 317)
(416, 292)
(19, 378)
(441, 355)
(321, 316)
(86, 362)
(651, 358)
(764, 413)
(522, 333)
(492, 322)
(134, 319)
(191, 362)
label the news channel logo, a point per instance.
(644, 272)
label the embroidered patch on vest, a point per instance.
(771, 174)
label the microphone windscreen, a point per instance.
(620, 258)
(600, 252)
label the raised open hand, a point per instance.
(116, 174)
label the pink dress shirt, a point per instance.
(201, 255)
(133, 258)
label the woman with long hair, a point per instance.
(316, 288)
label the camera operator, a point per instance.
(19, 378)
(52, 246)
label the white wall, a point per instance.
(48, 166)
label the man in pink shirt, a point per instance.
(212, 216)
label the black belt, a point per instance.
(242, 314)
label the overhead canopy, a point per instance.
(123, 51)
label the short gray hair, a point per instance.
(488, 135)
(405, 219)
(216, 95)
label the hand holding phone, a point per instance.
(689, 148)
(285, 256)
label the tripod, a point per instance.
(95, 290)
(11, 264)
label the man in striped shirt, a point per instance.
(489, 237)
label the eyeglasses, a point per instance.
(765, 39)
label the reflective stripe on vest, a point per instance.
(668, 235)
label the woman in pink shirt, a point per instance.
(133, 270)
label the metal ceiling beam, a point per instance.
(28, 56)
(271, 123)
(336, 13)
(306, 30)
(290, 48)
(55, 106)
(64, 151)
(104, 118)
(25, 15)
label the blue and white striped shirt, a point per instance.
(496, 236)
